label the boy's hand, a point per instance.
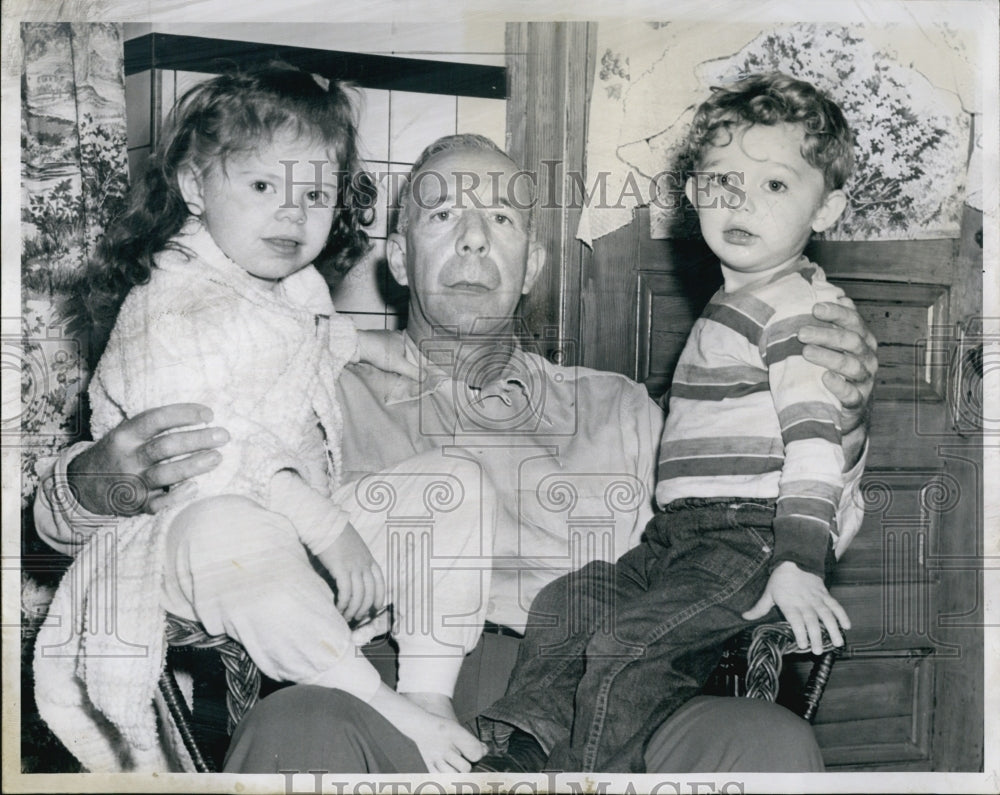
(360, 583)
(804, 601)
(386, 351)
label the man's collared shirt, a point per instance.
(571, 452)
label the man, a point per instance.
(570, 451)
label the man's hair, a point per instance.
(776, 98)
(447, 143)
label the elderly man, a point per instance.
(554, 441)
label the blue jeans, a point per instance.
(612, 650)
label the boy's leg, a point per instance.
(676, 600)
(550, 661)
(429, 523)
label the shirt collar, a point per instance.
(503, 368)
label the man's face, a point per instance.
(467, 254)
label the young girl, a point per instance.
(256, 178)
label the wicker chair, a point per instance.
(752, 663)
(243, 682)
(751, 667)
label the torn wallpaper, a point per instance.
(907, 91)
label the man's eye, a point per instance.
(260, 186)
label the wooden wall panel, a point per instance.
(876, 712)
(547, 91)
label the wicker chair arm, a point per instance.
(769, 644)
(242, 674)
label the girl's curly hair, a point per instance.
(229, 114)
(776, 98)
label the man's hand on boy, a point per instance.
(359, 578)
(848, 350)
(148, 446)
(804, 601)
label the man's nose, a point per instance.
(290, 211)
(473, 237)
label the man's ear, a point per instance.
(395, 254)
(533, 268)
(829, 211)
(189, 181)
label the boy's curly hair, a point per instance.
(776, 98)
(229, 114)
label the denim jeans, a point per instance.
(612, 650)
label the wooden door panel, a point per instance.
(876, 712)
(903, 318)
(667, 309)
(903, 510)
(906, 435)
(895, 617)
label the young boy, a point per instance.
(750, 475)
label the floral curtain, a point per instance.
(73, 181)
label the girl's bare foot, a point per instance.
(445, 745)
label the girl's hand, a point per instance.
(386, 351)
(804, 601)
(360, 583)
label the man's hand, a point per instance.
(143, 447)
(804, 601)
(848, 352)
(360, 583)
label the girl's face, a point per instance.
(269, 210)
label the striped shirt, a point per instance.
(750, 417)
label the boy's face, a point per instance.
(271, 218)
(757, 198)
